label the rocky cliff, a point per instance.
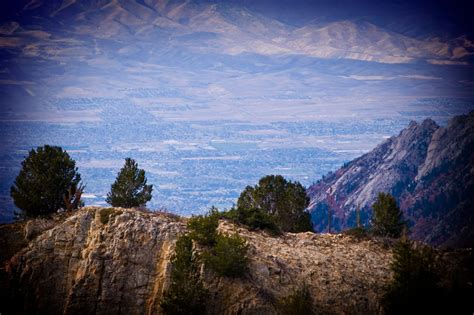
(104, 261)
(429, 169)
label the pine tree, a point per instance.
(228, 257)
(203, 228)
(186, 293)
(415, 285)
(48, 181)
(130, 188)
(388, 218)
(283, 200)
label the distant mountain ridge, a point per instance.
(429, 169)
(237, 30)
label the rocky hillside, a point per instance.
(429, 169)
(104, 261)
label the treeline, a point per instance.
(49, 181)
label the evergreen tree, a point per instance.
(228, 257)
(130, 188)
(203, 228)
(283, 200)
(48, 180)
(388, 218)
(415, 286)
(186, 293)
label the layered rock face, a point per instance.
(429, 169)
(112, 261)
(95, 264)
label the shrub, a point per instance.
(130, 188)
(48, 180)
(297, 303)
(388, 218)
(228, 257)
(283, 200)
(253, 218)
(203, 228)
(357, 232)
(186, 293)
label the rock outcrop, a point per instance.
(112, 261)
(429, 169)
(105, 261)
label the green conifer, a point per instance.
(186, 293)
(130, 188)
(48, 180)
(388, 218)
(228, 257)
(283, 200)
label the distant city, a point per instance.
(209, 96)
(193, 165)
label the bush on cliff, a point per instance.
(48, 180)
(186, 293)
(203, 228)
(359, 233)
(228, 257)
(253, 218)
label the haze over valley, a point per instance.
(210, 96)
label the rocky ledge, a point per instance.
(113, 260)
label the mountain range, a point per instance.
(218, 27)
(430, 171)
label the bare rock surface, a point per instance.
(112, 261)
(344, 275)
(36, 227)
(93, 263)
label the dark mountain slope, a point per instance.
(429, 169)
